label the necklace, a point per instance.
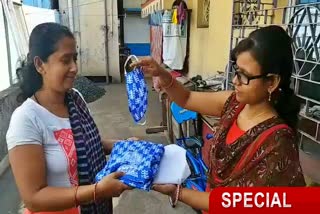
(257, 116)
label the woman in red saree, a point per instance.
(255, 144)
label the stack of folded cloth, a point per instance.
(139, 160)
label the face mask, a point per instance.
(137, 92)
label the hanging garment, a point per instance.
(182, 13)
(137, 92)
(174, 43)
(156, 50)
(175, 17)
(155, 19)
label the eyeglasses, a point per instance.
(243, 78)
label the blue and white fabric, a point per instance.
(139, 160)
(155, 19)
(137, 92)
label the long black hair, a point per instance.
(271, 48)
(43, 42)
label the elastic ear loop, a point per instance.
(127, 60)
(144, 119)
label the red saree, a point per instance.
(274, 160)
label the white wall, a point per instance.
(31, 16)
(89, 27)
(12, 47)
(93, 53)
(35, 16)
(4, 73)
(136, 29)
(113, 40)
(14, 56)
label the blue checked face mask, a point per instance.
(137, 92)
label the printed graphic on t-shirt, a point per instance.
(65, 139)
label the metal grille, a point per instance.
(302, 22)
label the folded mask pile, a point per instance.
(139, 160)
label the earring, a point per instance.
(270, 94)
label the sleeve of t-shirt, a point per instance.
(23, 130)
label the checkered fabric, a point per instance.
(90, 153)
(139, 160)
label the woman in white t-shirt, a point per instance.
(54, 146)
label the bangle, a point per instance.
(76, 202)
(171, 83)
(180, 193)
(95, 193)
(173, 199)
(177, 194)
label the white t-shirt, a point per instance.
(33, 124)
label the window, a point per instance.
(301, 20)
(10, 54)
(42, 3)
(14, 57)
(4, 66)
(307, 1)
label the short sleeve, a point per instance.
(23, 130)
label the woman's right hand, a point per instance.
(110, 186)
(149, 66)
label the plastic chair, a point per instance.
(198, 178)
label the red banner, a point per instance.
(271, 200)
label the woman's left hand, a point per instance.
(167, 189)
